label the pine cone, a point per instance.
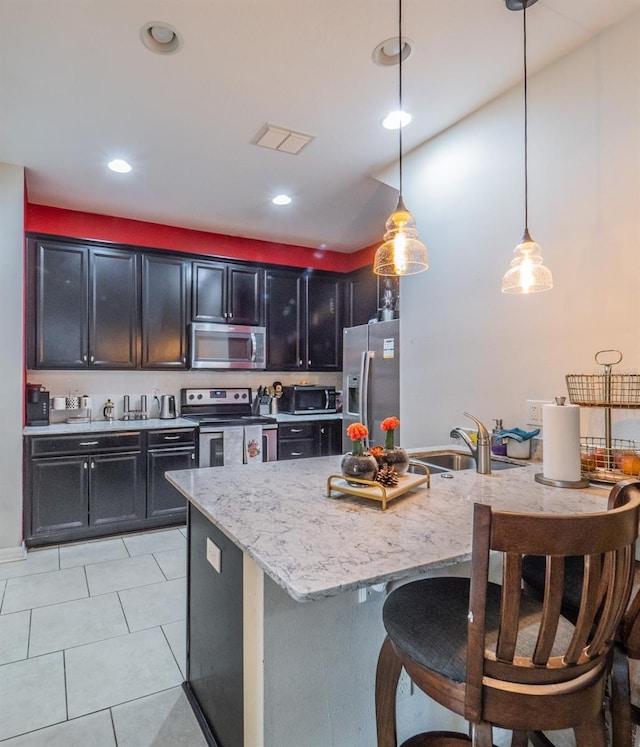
(387, 476)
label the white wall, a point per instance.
(468, 347)
(11, 370)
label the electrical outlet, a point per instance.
(534, 411)
(405, 686)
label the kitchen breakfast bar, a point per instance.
(285, 588)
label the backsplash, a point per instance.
(114, 385)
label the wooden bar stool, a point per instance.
(627, 644)
(499, 657)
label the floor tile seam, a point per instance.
(126, 619)
(29, 633)
(142, 697)
(40, 573)
(34, 731)
(44, 606)
(171, 649)
(91, 643)
(130, 588)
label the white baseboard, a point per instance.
(9, 554)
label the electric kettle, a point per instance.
(167, 407)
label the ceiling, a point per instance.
(77, 88)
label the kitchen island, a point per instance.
(283, 625)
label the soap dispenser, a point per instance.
(498, 445)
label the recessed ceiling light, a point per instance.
(387, 52)
(396, 120)
(160, 37)
(119, 166)
(281, 200)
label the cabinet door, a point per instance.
(324, 324)
(59, 494)
(60, 329)
(162, 498)
(283, 319)
(116, 488)
(113, 309)
(208, 292)
(362, 297)
(244, 285)
(330, 437)
(164, 312)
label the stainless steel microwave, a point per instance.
(301, 399)
(227, 346)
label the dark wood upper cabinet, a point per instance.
(362, 297)
(86, 306)
(59, 329)
(304, 321)
(164, 313)
(324, 323)
(284, 320)
(113, 308)
(226, 293)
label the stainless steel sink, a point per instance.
(453, 461)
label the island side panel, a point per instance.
(214, 635)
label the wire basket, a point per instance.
(613, 463)
(604, 390)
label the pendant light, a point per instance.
(527, 273)
(401, 253)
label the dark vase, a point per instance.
(396, 458)
(363, 467)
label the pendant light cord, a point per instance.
(526, 144)
(400, 53)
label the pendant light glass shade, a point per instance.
(401, 253)
(527, 273)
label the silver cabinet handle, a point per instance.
(88, 443)
(85, 465)
(84, 358)
(193, 456)
(296, 430)
(93, 465)
(296, 453)
(308, 363)
(171, 438)
(231, 315)
(92, 359)
(300, 362)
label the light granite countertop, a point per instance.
(314, 547)
(104, 426)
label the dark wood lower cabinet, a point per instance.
(309, 438)
(83, 486)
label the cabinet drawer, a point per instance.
(87, 443)
(168, 438)
(296, 430)
(302, 449)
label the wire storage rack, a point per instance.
(607, 459)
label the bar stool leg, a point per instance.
(387, 676)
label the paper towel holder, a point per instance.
(583, 483)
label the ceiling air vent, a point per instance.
(287, 141)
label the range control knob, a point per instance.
(199, 396)
(236, 395)
(190, 396)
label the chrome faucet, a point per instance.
(482, 452)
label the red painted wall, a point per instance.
(75, 224)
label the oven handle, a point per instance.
(254, 347)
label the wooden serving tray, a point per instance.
(374, 490)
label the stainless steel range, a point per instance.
(229, 432)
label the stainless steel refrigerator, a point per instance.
(371, 378)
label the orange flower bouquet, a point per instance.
(389, 425)
(357, 433)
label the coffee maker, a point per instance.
(37, 405)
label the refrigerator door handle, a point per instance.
(365, 364)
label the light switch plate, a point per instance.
(213, 554)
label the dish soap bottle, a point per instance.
(498, 445)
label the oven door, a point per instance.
(225, 446)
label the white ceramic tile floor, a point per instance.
(92, 645)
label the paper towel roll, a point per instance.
(561, 442)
